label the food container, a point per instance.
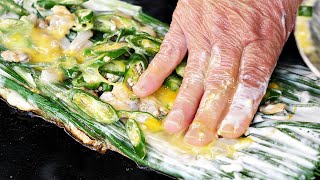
(307, 34)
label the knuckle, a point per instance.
(192, 83)
(271, 29)
(172, 48)
(190, 90)
(262, 59)
(186, 98)
(198, 61)
(161, 59)
(256, 72)
(193, 79)
(222, 76)
(254, 77)
(219, 79)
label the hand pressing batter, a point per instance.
(233, 47)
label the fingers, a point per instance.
(172, 52)
(190, 93)
(219, 86)
(258, 62)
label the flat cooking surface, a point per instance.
(31, 148)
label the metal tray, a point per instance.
(307, 33)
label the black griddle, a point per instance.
(31, 148)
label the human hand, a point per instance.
(232, 50)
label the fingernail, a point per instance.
(226, 128)
(229, 129)
(174, 121)
(199, 135)
(138, 89)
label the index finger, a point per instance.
(172, 52)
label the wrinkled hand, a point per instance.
(233, 46)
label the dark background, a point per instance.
(31, 148)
